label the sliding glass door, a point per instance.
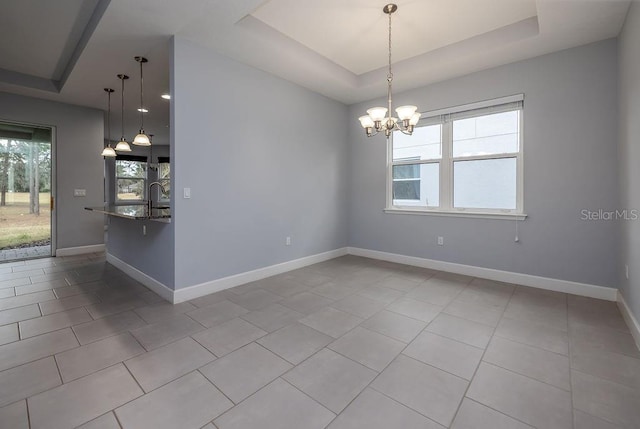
(26, 191)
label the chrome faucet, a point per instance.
(149, 201)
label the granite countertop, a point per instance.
(135, 211)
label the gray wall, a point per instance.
(629, 153)
(153, 253)
(79, 140)
(264, 159)
(570, 133)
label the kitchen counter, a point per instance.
(135, 211)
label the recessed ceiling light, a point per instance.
(143, 110)
(166, 96)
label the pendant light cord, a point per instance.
(141, 98)
(109, 118)
(122, 110)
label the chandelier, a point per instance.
(376, 119)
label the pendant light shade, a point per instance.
(141, 139)
(108, 151)
(122, 145)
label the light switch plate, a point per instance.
(187, 192)
(79, 192)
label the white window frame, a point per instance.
(445, 117)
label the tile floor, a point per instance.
(348, 343)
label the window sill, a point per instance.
(480, 215)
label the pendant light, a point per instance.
(108, 151)
(122, 145)
(141, 139)
(376, 119)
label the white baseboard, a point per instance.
(196, 291)
(628, 316)
(151, 283)
(583, 289)
(80, 250)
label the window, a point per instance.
(460, 160)
(164, 177)
(131, 176)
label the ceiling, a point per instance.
(336, 35)
(334, 47)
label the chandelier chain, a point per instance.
(389, 74)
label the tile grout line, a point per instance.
(531, 345)
(500, 412)
(219, 389)
(28, 413)
(115, 416)
(144, 392)
(313, 399)
(59, 372)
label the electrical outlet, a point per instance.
(440, 241)
(287, 241)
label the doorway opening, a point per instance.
(26, 191)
